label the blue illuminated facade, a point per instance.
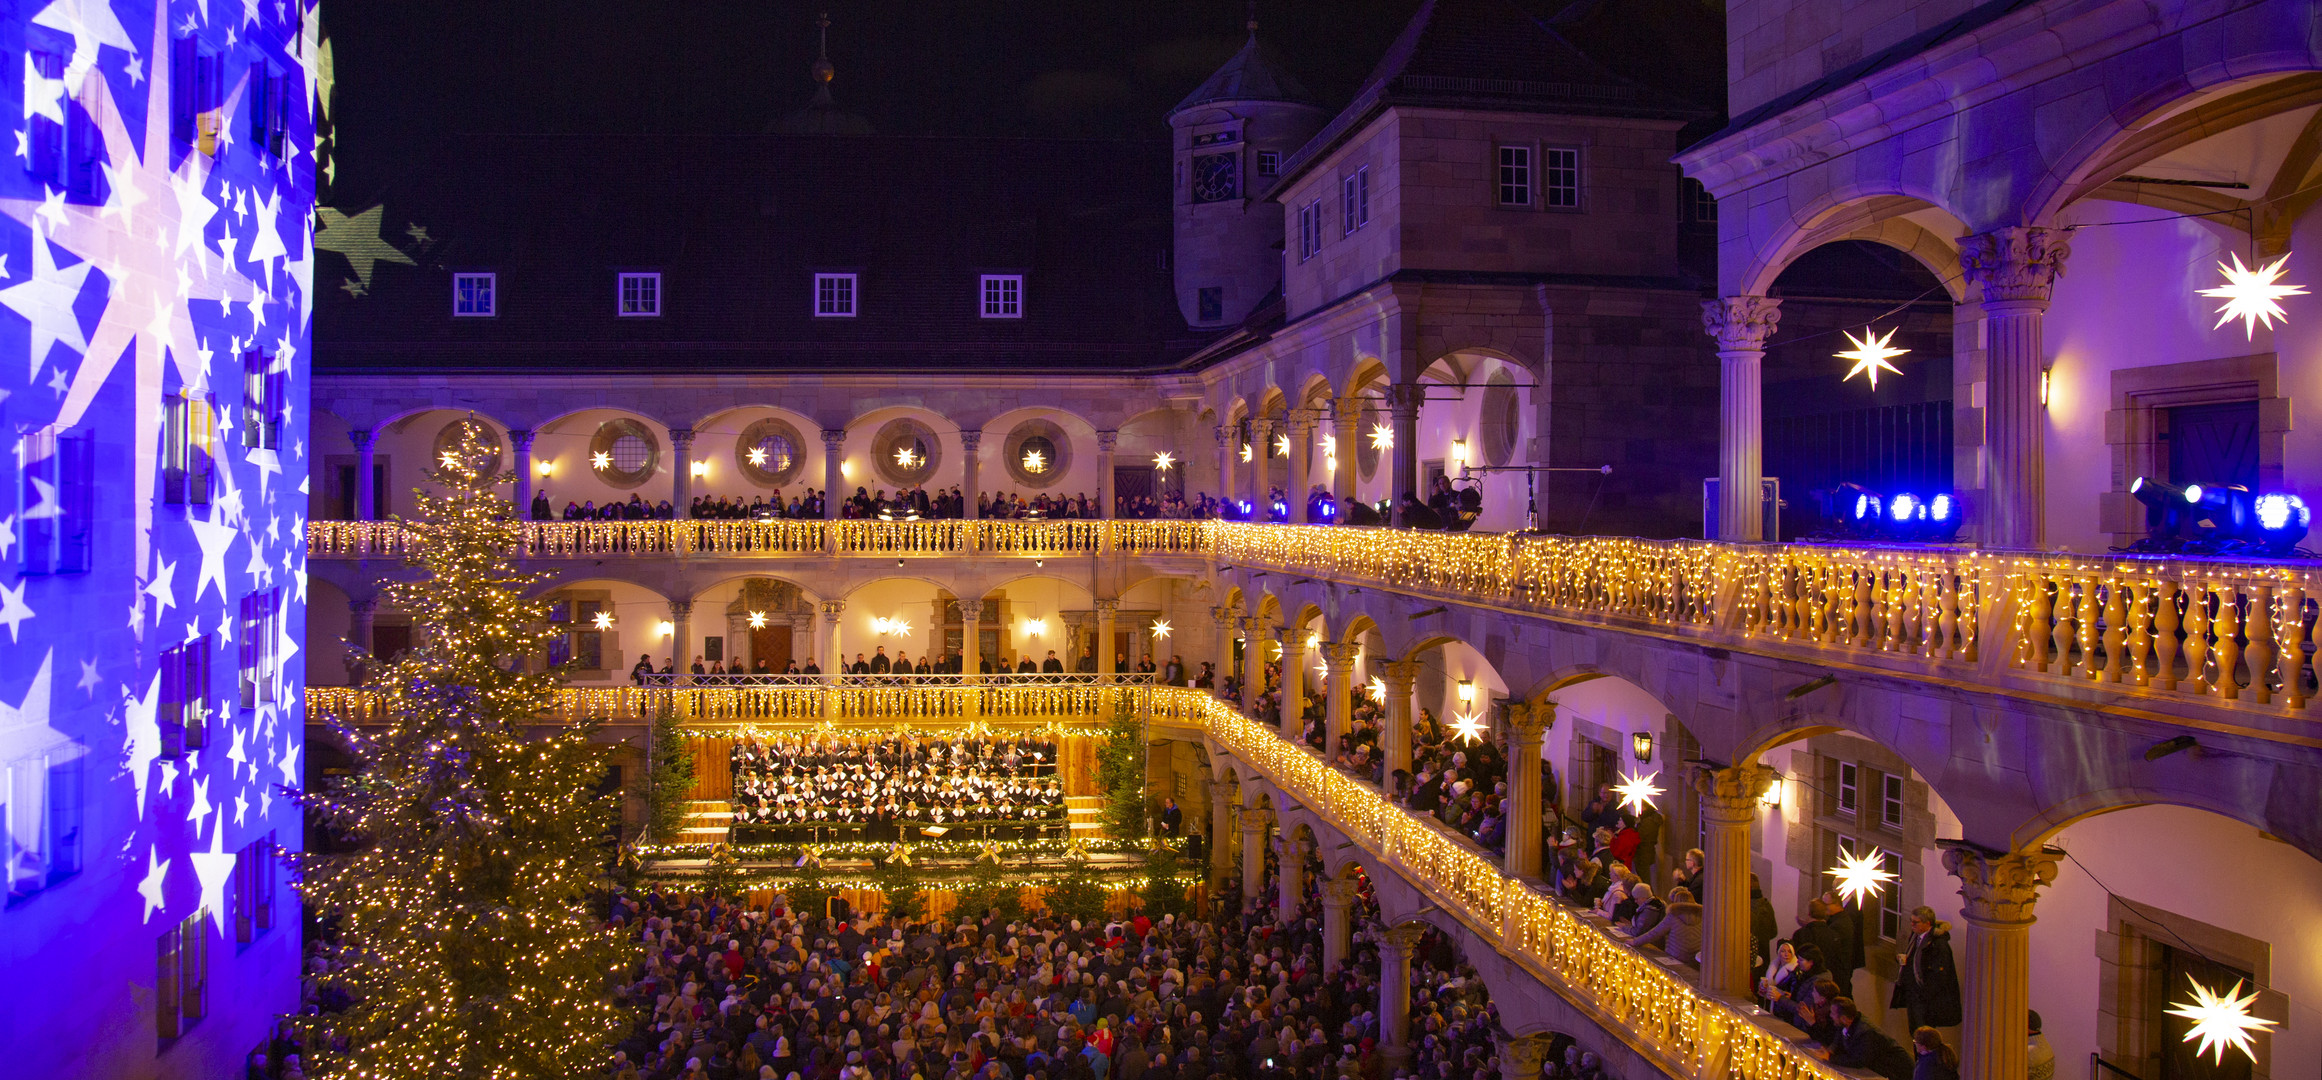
(155, 269)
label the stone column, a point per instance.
(1253, 856)
(366, 463)
(1526, 724)
(1337, 693)
(969, 490)
(1253, 663)
(1227, 451)
(681, 640)
(1338, 897)
(1261, 475)
(2017, 268)
(1291, 879)
(681, 483)
(1995, 971)
(1729, 803)
(1740, 325)
(1402, 679)
(802, 646)
(1301, 430)
(834, 652)
(1395, 994)
(1108, 614)
(1346, 425)
(1403, 417)
(1107, 443)
(834, 443)
(361, 614)
(1293, 681)
(737, 639)
(521, 441)
(1524, 1057)
(971, 624)
(1221, 826)
(1224, 617)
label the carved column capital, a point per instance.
(1741, 323)
(521, 439)
(1107, 608)
(1341, 655)
(1337, 892)
(681, 609)
(1299, 423)
(1401, 939)
(363, 439)
(1404, 398)
(681, 439)
(2000, 889)
(1523, 1057)
(1108, 441)
(2017, 264)
(1224, 616)
(831, 609)
(970, 440)
(1400, 674)
(1527, 724)
(1291, 638)
(1731, 794)
(362, 608)
(1225, 436)
(834, 439)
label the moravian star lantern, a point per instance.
(2252, 294)
(1870, 354)
(1637, 792)
(2220, 1020)
(1860, 876)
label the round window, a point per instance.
(1038, 454)
(1372, 437)
(906, 453)
(485, 458)
(768, 453)
(1502, 419)
(623, 453)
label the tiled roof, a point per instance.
(1252, 75)
(738, 225)
(1487, 54)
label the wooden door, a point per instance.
(772, 645)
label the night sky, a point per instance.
(411, 69)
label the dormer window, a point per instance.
(474, 296)
(640, 295)
(834, 296)
(1269, 162)
(1003, 296)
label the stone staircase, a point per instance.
(1084, 815)
(707, 821)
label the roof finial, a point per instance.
(1252, 21)
(823, 70)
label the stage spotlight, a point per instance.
(2281, 521)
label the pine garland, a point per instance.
(466, 944)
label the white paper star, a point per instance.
(2220, 1020)
(1382, 437)
(1637, 792)
(1860, 876)
(1467, 726)
(1871, 353)
(2251, 295)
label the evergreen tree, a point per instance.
(721, 876)
(466, 943)
(671, 782)
(1121, 777)
(810, 894)
(1163, 893)
(1078, 894)
(986, 890)
(896, 880)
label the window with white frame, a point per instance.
(1310, 230)
(640, 295)
(1354, 209)
(834, 296)
(473, 296)
(1891, 801)
(1560, 183)
(1515, 176)
(1891, 897)
(261, 650)
(263, 396)
(1269, 162)
(187, 451)
(43, 812)
(1003, 296)
(1849, 788)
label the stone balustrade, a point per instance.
(1687, 1032)
(797, 705)
(2234, 634)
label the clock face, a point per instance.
(1216, 178)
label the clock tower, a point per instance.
(1229, 140)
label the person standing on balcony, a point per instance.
(542, 509)
(1052, 665)
(1207, 680)
(644, 667)
(1928, 986)
(879, 663)
(1650, 824)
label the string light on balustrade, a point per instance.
(1861, 876)
(1870, 354)
(1637, 792)
(2220, 1020)
(2252, 295)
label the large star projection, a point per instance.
(155, 264)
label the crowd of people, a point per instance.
(1445, 507)
(887, 785)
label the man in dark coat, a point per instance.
(1862, 1045)
(1171, 818)
(1816, 930)
(1846, 930)
(1052, 665)
(1928, 985)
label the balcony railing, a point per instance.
(2233, 634)
(1687, 1032)
(934, 702)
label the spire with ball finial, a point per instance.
(822, 115)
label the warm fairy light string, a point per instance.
(1923, 602)
(1623, 982)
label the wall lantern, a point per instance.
(1641, 744)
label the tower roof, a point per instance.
(1252, 75)
(822, 115)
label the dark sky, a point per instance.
(410, 69)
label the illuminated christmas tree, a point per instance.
(468, 946)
